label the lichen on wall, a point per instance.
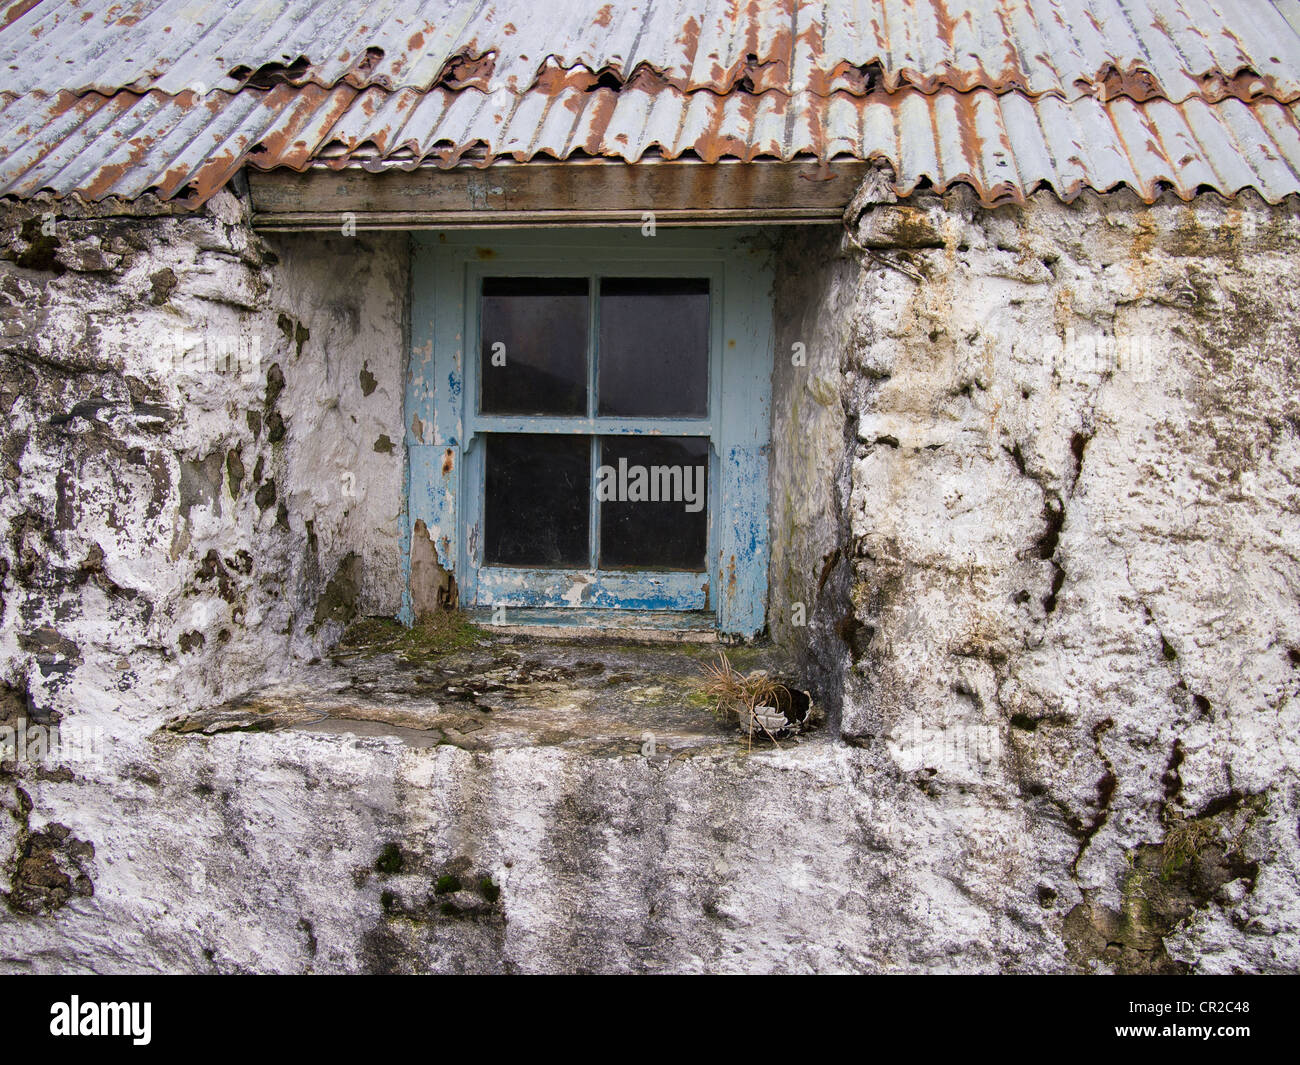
(189, 420)
(1071, 534)
(1033, 485)
(191, 414)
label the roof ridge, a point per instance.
(578, 79)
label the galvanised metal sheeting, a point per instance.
(1073, 48)
(1004, 145)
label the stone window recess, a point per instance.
(587, 426)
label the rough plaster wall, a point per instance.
(350, 294)
(1082, 583)
(311, 853)
(164, 542)
(177, 528)
(808, 591)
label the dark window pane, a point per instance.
(535, 510)
(533, 355)
(653, 494)
(654, 347)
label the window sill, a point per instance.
(596, 696)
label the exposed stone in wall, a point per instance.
(49, 869)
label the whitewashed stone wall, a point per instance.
(202, 432)
(198, 485)
(1050, 601)
(1066, 559)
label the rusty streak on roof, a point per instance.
(108, 98)
(1003, 145)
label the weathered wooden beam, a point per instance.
(572, 193)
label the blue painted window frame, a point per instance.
(444, 431)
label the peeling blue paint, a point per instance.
(743, 550)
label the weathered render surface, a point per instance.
(1050, 601)
(197, 490)
(1067, 551)
(200, 470)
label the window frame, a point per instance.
(445, 431)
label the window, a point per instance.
(587, 423)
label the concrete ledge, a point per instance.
(603, 697)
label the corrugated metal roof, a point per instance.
(1171, 48)
(1007, 95)
(1004, 145)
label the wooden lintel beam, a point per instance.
(575, 193)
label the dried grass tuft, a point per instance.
(738, 696)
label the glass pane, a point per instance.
(653, 494)
(533, 345)
(654, 347)
(536, 500)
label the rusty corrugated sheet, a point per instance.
(1004, 145)
(1008, 95)
(1171, 48)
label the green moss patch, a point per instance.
(433, 635)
